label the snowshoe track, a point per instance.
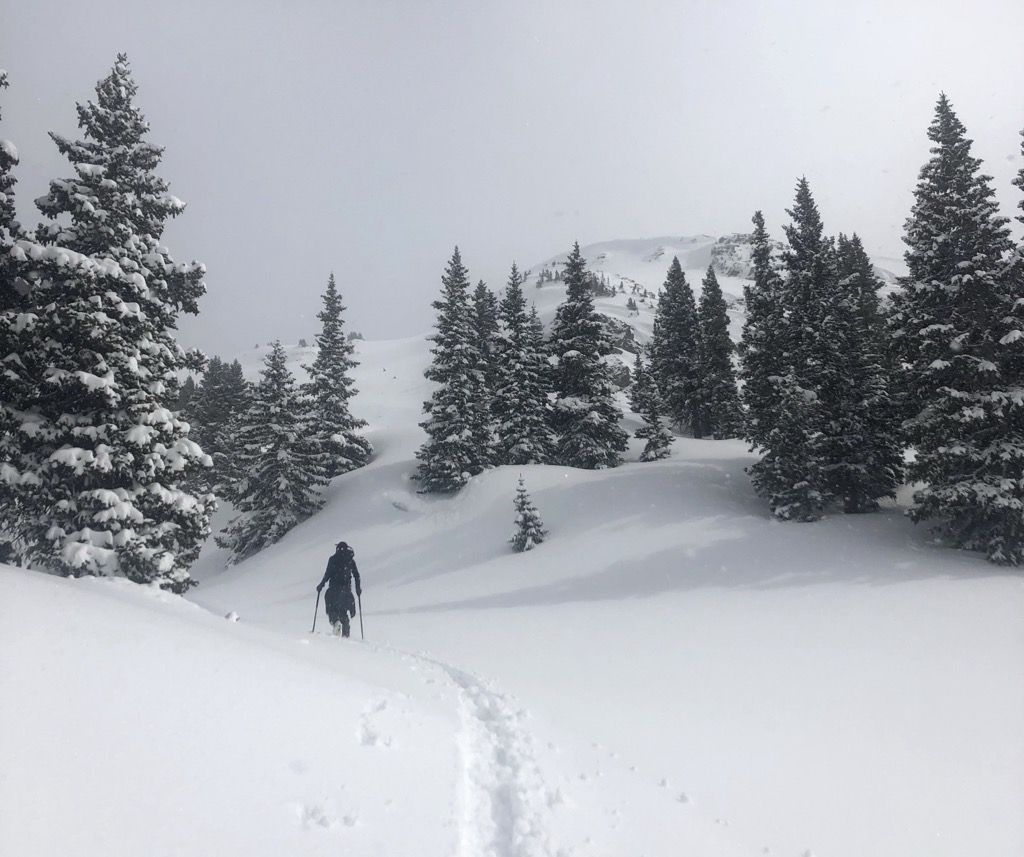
(503, 804)
(501, 783)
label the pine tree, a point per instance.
(645, 400)
(222, 398)
(485, 326)
(280, 462)
(675, 349)
(761, 363)
(791, 474)
(95, 457)
(543, 349)
(958, 325)
(718, 412)
(521, 408)
(117, 205)
(203, 410)
(10, 228)
(586, 417)
(1019, 182)
(331, 388)
(185, 394)
(530, 530)
(864, 455)
(11, 300)
(536, 329)
(458, 418)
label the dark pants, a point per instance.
(340, 605)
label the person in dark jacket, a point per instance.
(340, 604)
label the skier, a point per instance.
(340, 604)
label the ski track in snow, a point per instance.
(500, 779)
(502, 796)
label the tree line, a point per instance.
(849, 397)
(100, 472)
(109, 467)
(846, 396)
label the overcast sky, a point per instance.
(369, 138)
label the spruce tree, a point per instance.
(10, 228)
(585, 417)
(185, 394)
(530, 530)
(280, 462)
(645, 400)
(521, 408)
(485, 324)
(11, 300)
(1019, 182)
(93, 453)
(331, 388)
(863, 448)
(222, 397)
(202, 412)
(791, 474)
(958, 326)
(536, 330)
(458, 415)
(675, 350)
(761, 358)
(718, 411)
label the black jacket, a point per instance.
(341, 569)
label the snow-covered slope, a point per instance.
(636, 269)
(672, 672)
(640, 265)
(136, 723)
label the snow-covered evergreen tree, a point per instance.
(536, 329)
(817, 378)
(10, 229)
(185, 394)
(331, 389)
(11, 300)
(1019, 182)
(530, 530)
(280, 463)
(485, 324)
(645, 400)
(675, 349)
(221, 398)
(521, 407)
(96, 458)
(761, 352)
(863, 451)
(960, 334)
(458, 414)
(485, 328)
(718, 411)
(791, 474)
(585, 416)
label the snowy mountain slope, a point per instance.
(643, 262)
(136, 723)
(845, 687)
(671, 672)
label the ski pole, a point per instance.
(359, 599)
(315, 611)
